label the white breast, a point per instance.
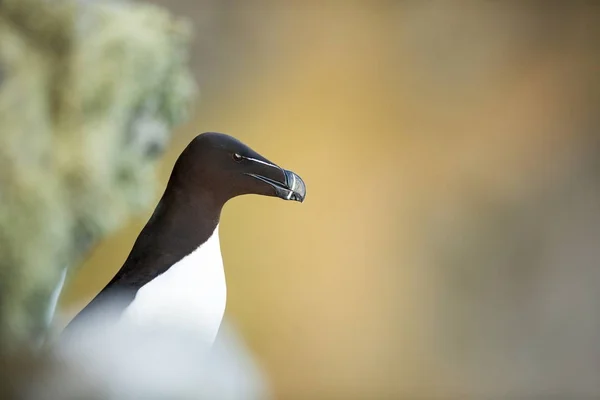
(189, 295)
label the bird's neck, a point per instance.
(180, 224)
(178, 227)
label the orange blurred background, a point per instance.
(447, 245)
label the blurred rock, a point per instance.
(88, 96)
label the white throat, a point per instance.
(190, 295)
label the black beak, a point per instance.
(293, 187)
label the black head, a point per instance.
(224, 167)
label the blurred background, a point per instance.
(448, 245)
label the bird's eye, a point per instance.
(237, 157)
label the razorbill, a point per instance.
(174, 273)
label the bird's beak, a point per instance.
(290, 187)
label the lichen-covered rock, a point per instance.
(89, 92)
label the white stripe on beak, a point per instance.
(289, 196)
(262, 162)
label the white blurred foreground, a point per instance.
(107, 358)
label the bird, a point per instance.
(174, 272)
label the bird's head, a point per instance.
(228, 168)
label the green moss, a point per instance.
(89, 93)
